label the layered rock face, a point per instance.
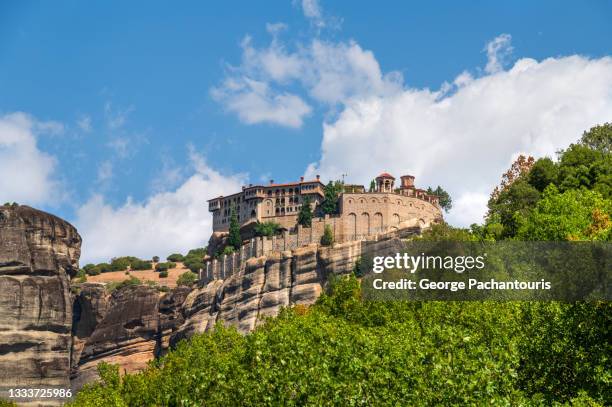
(128, 327)
(38, 254)
(268, 283)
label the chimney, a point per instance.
(271, 181)
(318, 176)
(250, 185)
(301, 179)
(407, 181)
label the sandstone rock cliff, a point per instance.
(128, 327)
(38, 254)
(268, 283)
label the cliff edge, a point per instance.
(39, 253)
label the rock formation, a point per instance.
(38, 255)
(128, 327)
(268, 283)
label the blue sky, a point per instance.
(120, 108)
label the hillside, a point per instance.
(142, 275)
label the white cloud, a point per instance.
(312, 11)
(84, 123)
(27, 174)
(254, 102)
(330, 73)
(466, 139)
(166, 222)
(498, 50)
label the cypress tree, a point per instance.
(305, 215)
(234, 238)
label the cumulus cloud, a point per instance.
(331, 73)
(166, 222)
(465, 139)
(255, 102)
(27, 174)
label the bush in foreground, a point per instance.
(344, 351)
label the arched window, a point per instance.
(377, 223)
(352, 226)
(364, 223)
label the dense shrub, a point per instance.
(175, 257)
(266, 229)
(141, 265)
(187, 278)
(328, 236)
(123, 263)
(344, 351)
(163, 274)
(165, 266)
(194, 260)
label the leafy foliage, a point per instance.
(234, 238)
(194, 260)
(165, 266)
(345, 351)
(332, 190)
(187, 278)
(305, 214)
(176, 257)
(571, 215)
(328, 236)
(268, 229)
(529, 202)
(445, 200)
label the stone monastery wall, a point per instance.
(363, 216)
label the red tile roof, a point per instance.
(385, 175)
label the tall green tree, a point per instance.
(234, 238)
(445, 200)
(305, 214)
(372, 186)
(331, 192)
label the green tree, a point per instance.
(599, 138)
(175, 257)
(569, 215)
(234, 238)
(266, 229)
(328, 236)
(330, 199)
(305, 214)
(372, 186)
(512, 205)
(444, 198)
(543, 173)
(165, 266)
